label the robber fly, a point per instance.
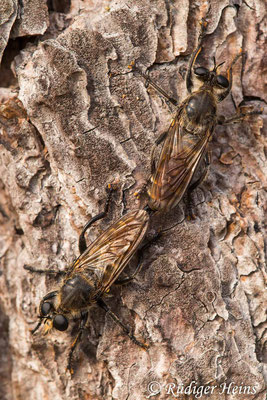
(90, 277)
(186, 142)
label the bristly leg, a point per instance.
(159, 140)
(194, 55)
(237, 117)
(44, 271)
(150, 82)
(125, 329)
(82, 241)
(194, 185)
(143, 190)
(84, 317)
(140, 254)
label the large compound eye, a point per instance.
(60, 322)
(201, 71)
(222, 81)
(46, 307)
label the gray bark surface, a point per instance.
(74, 118)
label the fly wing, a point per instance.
(108, 255)
(179, 158)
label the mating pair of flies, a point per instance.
(184, 150)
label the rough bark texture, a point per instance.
(199, 299)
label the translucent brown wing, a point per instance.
(179, 158)
(107, 256)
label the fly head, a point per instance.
(212, 81)
(49, 316)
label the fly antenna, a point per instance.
(37, 327)
(216, 66)
(38, 324)
(219, 65)
(214, 62)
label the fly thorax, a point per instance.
(199, 111)
(76, 294)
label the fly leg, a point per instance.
(125, 329)
(49, 296)
(237, 117)
(159, 140)
(150, 82)
(84, 317)
(82, 241)
(128, 279)
(194, 185)
(140, 253)
(143, 189)
(44, 271)
(194, 55)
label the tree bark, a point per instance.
(73, 118)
